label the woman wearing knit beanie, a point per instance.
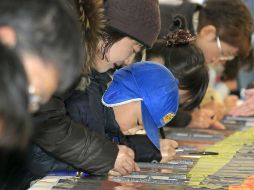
(129, 26)
(108, 41)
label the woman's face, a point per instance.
(118, 53)
(129, 117)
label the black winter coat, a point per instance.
(71, 142)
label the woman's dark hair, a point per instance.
(15, 126)
(231, 69)
(49, 30)
(109, 37)
(184, 60)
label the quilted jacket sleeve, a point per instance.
(71, 142)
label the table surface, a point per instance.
(199, 141)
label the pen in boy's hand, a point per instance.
(162, 133)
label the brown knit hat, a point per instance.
(139, 19)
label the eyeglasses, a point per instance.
(222, 56)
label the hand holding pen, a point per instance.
(167, 147)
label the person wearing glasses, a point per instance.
(245, 80)
(222, 35)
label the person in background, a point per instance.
(245, 80)
(47, 69)
(245, 72)
(221, 35)
(15, 123)
(51, 60)
(178, 52)
(222, 40)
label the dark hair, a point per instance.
(15, 126)
(185, 61)
(109, 37)
(232, 28)
(231, 69)
(49, 30)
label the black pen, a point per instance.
(162, 133)
(203, 153)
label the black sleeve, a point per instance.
(181, 119)
(71, 142)
(144, 150)
(85, 107)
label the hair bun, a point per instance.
(179, 34)
(179, 37)
(179, 22)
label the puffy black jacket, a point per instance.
(59, 135)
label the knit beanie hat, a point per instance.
(139, 19)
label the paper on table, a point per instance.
(208, 165)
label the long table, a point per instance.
(231, 169)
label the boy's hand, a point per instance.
(167, 147)
(124, 163)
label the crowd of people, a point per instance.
(86, 85)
